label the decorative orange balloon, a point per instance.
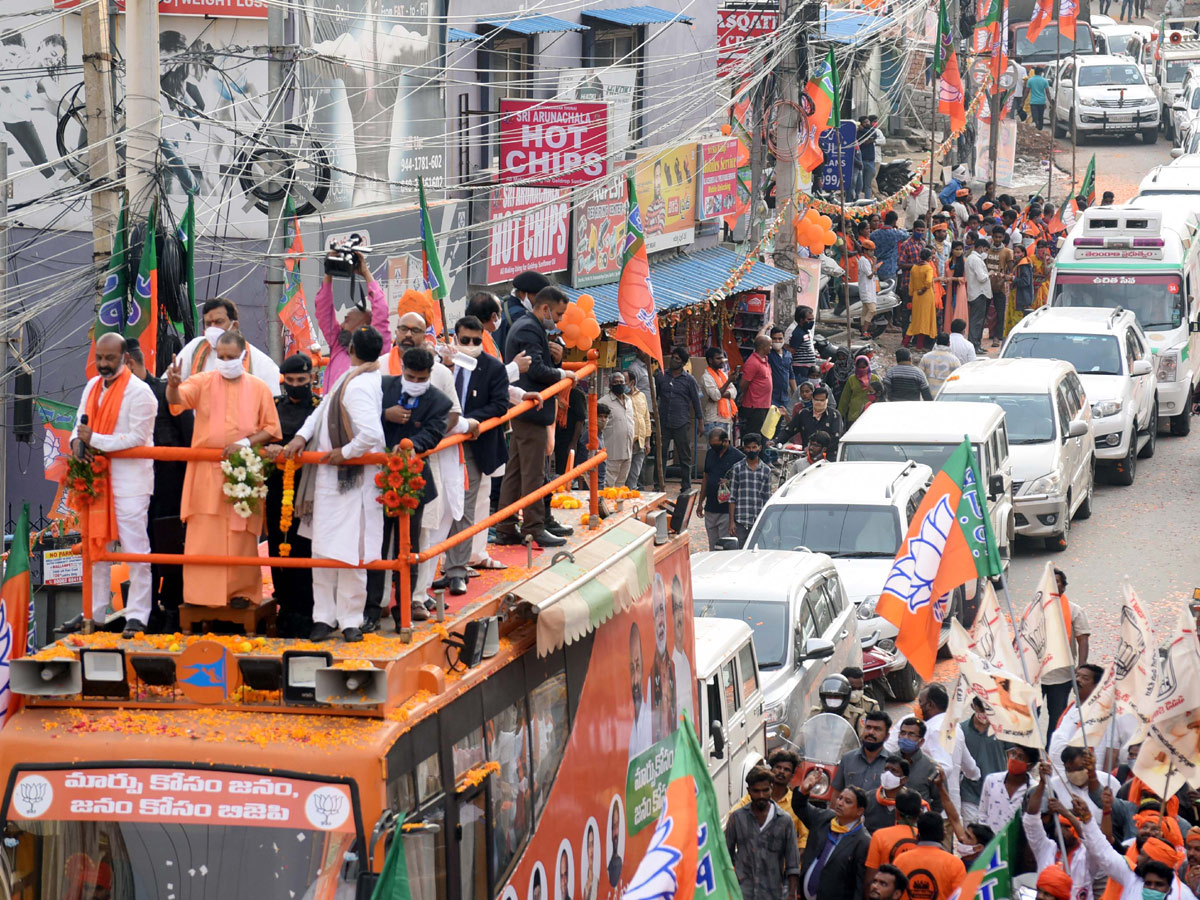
(579, 325)
(570, 333)
(585, 344)
(586, 302)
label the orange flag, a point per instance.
(951, 98)
(637, 322)
(1043, 15)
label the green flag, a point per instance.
(435, 281)
(994, 14)
(143, 313)
(944, 46)
(111, 314)
(1087, 190)
(187, 236)
(992, 872)
(973, 516)
(393, 880)
(835, 92)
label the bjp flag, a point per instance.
(637, 317)
(949, 543)
(822, 91)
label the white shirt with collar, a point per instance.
(979, 282)
(962, 348)
(134, 428)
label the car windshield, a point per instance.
(1177, 70)
(1090, 76)
(932, 455)
(1047, 44)
(1090, 354)
(768, 620)
(837, 529)
(1156, 300)
(1029, 418)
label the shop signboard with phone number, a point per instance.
(599, 236)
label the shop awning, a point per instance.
(686, 279)
(532, 24)
(850, 27)
(638, 15)
(458, 36)
(607, 576)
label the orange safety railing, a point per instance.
(404, 557)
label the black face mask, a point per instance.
(343, 339)
(617, 389)
(299, 393)
(751, 454)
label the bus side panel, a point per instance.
(598, 818)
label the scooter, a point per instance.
(822, 742)
(886, 300)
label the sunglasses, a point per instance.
(470, 341)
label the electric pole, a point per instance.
(276, 232)
(102, 151)
(5, 431)
(143, 109)
(787, 152)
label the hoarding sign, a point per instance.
(613, 86)
(735, 29)
(834, 172)
(666, 189)
(552, 143)
(599, 236)
(528, 230)
(718, 178)
(62, 567)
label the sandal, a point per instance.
(488, 563)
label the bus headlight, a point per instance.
(1168, 365)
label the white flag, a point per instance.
(1135, 669)
(1008, 702)
(991, 636)
(1098, 711)
(957, 712)
(1044, 633)
(1178, 683)
(1170, 711)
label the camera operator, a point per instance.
(374, 313)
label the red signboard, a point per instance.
(528, 230)
(600, 235)
(718, 178)
(229, 9)
(551, 143)
(197, 797)
(735, 27)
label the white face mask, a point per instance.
(211, 333)
(889, 781)
(472, 350)
(231, 368)
(777, 345)
(414, 388)
(964, 849)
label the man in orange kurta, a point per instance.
(233, 409)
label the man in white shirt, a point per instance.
(1016, 72)
(979, 292)
(199, 354)
(959, 345)
(684, 683)
(641, 735)
(116, 412)
(618, 431)
(1108, 747)
(956, 762)
(1046, 851)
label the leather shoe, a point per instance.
(352, 635)
(320, 632)
(370, 626)
(458, 586)
(440, 584)
(546, 539)
(132, 627)
(504, 539)
(419, 612)
(559, 529)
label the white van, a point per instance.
(928, 433)
(1050, 435)
(731, 705)
(1143, 257)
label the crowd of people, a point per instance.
(905, 817)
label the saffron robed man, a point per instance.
(233, 410)
(117, 412)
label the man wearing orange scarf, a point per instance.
(117, 412)
(233, 410)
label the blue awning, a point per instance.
(686, 279)
(638, 15)
(533, 24)
(849, 27)
(457, 35)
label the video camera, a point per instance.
(343, 258)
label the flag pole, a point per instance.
(933, 108)
(845, 239)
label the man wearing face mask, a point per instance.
(921, 769)
(293, 587)
(1003, 793)
(337, 336)
(990, 757)
(414, 409)
(678, 409)
(519, 302)
(346, 521)
(715, 506)
(799, 338)
(783, 379)
(116, 412)
(199, 354)
(822, 417)
(750, 480)
(233, 410)
(883, 804)
(618, 432)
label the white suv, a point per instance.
(858, 514)
(1112, 357)
(1103, 95)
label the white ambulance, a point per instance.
(1144, 257)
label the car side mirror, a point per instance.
(1176, 152)
(995, 486)
(1194, 326)
(1077, 428)
(718, 739)
(818, 648)
(1141, 367)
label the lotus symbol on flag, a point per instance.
(1128, 654)
(51, 449)
(656, 878)
(949, 93)
(913, 574)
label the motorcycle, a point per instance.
(822, 742)
(886, 300)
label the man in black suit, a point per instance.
(413, 409)
(482, 385)
(526, 471)
(518, 303)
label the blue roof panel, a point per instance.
(533, 24)
(850, 27)
(457, 35)
(685, 280)
(638, 15)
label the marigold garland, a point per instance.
(400, 483)
(473, 777)
(87, 479)
(288, 506)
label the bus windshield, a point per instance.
(1090, 354)
(768, 620)
(1156, 300)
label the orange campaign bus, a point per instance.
(519, 749)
